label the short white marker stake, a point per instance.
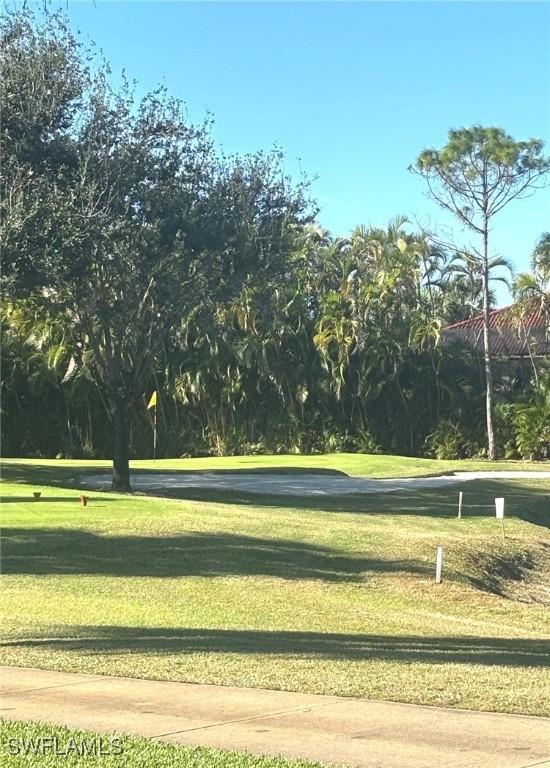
(460, 497)
(499, 507)
(438, 564)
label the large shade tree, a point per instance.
(474, 176)
(119, 218)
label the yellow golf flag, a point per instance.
(153, 400)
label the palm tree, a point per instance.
(535, 285)
(532, 292)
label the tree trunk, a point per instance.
(121, 437)
(491, 443)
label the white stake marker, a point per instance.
(460, 497)
(499, 507)
(438, 564)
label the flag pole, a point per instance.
(155, 436)
(153, 404)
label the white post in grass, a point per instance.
(460, 497)
(438, 564)
(499, 507)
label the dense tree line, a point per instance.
(137, 258)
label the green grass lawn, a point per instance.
(331, 596)
(118, 750)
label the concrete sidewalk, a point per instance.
(329, 729)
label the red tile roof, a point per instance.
(510, 333)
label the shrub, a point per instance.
(506, 430)
(532, 423)
(448, 442)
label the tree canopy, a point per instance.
(138, 257)
(118, 215)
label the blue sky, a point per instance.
(352, 92)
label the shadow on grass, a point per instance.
(244, 471)
(529, 503)
(69, 551)
(517, 652)
(64, 476)
(48, 499)
(56, 475)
